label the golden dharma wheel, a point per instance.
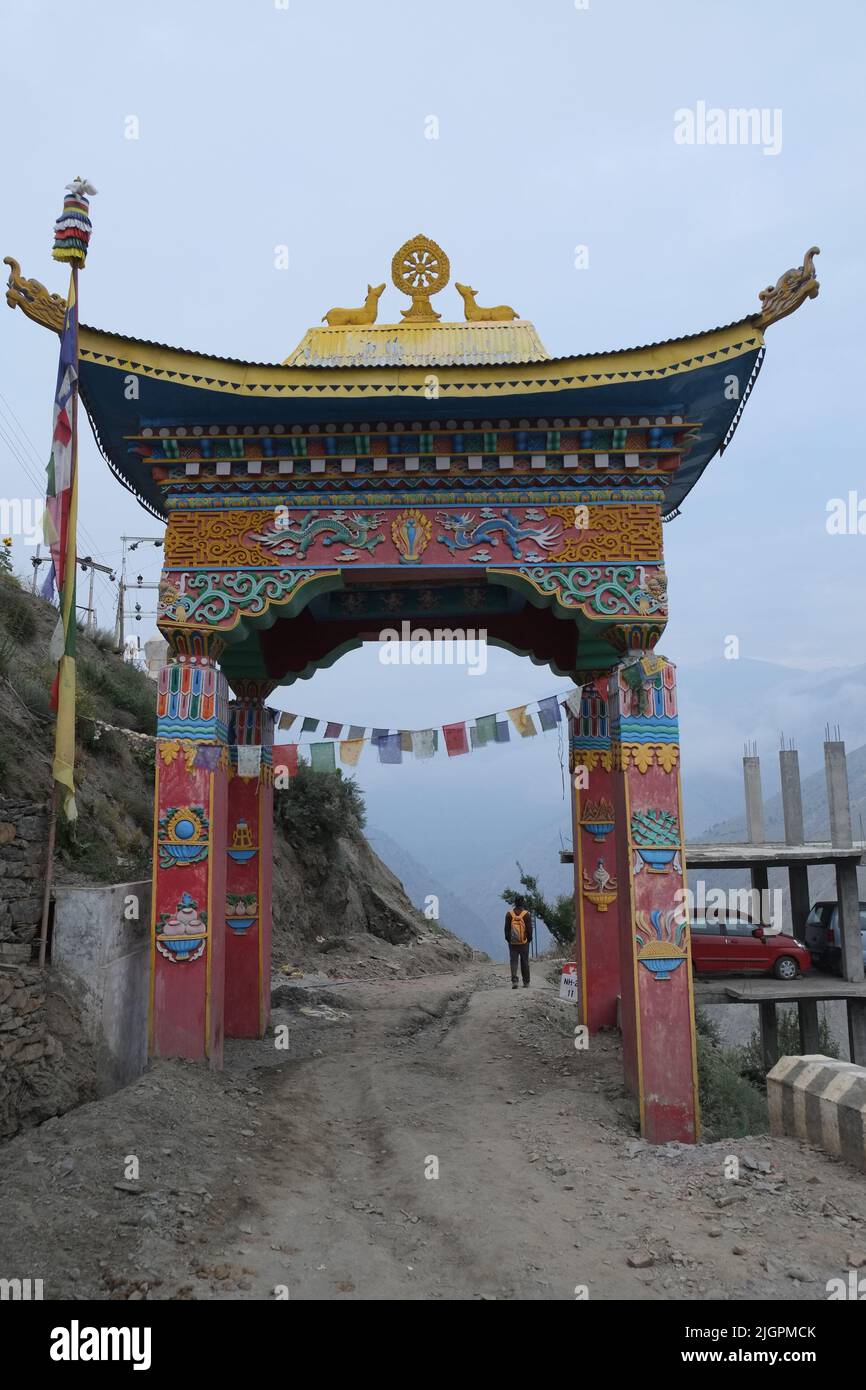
(420, 268)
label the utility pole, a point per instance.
(131, 543)
(85, 563)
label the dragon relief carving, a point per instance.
(295, 537)
(467, 532)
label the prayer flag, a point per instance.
(486, 727)
(377, 734)
(522, 721)
(548, 712)
(285, 759)
(333, 730)
(309, 725)
(503, 733)
(456, 741)
(573, 700)
(286, 721)
(423, 743)
(389, 749)
(351, 750)
(207, 755)
(356, 731)
(249, 759)
(405, 741)
(322, 757)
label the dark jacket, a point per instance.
(528, 925)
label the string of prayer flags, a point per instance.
(460, 737)
(456, 741)
(351, 750)
(522, 721)
(423, 745)
(548, 712)
(389, 749)
(322, 758)
(285, 759)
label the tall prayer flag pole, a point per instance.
(71, 238)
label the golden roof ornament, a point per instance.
(475, 313)
(420, 268)
(340, 318)
(31, 296)
(789, 291)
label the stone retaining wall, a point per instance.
(23, 839)
(28, 1051)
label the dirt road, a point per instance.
(312, 1171)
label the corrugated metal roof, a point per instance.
(420, 345)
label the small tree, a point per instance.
(557, 916)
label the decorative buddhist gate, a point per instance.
(447, 472)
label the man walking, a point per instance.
(518, 935)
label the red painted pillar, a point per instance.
(188, 915)
(249, 863)
(658, 1030)
(596, 892)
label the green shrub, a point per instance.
(731, 1106)
(319, 806)
(34, 693)
(750, 1057)
(16, 612)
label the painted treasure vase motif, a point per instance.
(656, 838)
(661, 942)
(182, 934)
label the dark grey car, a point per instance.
(822, 936)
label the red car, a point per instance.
(736, 946)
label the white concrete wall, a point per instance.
(102, 953)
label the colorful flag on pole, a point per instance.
(59, 527)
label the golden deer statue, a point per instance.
(476, 314)
(339, 318)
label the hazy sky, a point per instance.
(305, 125)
